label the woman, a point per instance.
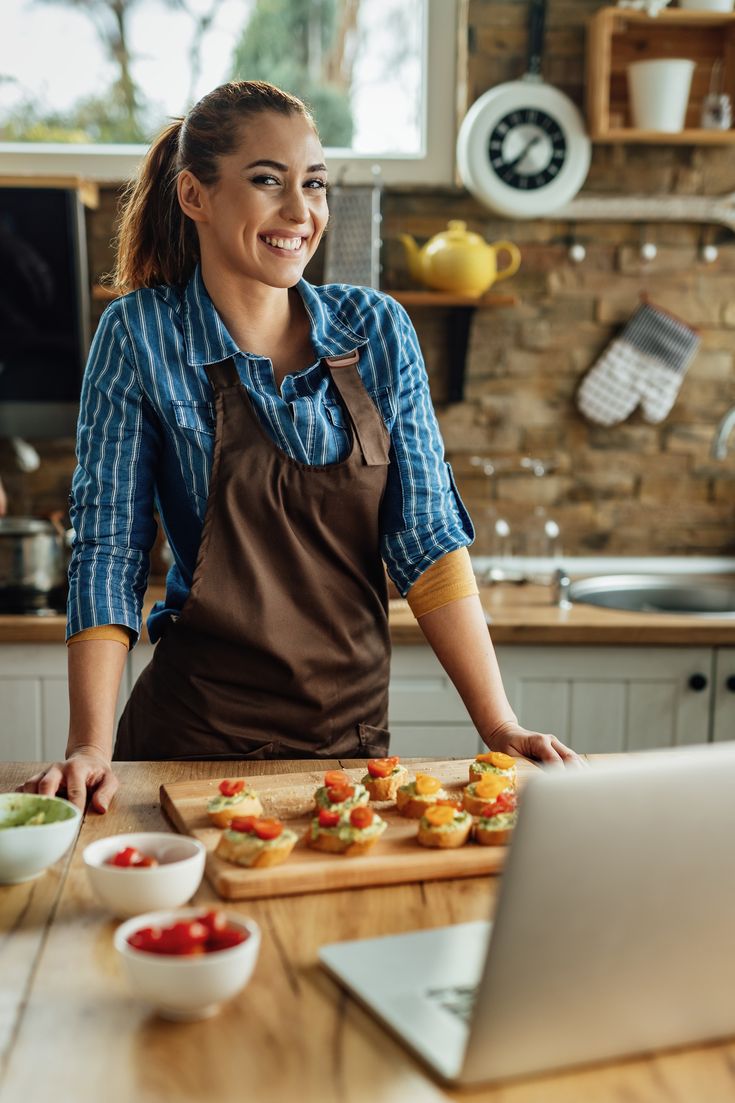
(286, 436)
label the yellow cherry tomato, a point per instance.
(439, 815)
(490, 786)
(426, 785)
(497, 759)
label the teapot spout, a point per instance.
(413, 255)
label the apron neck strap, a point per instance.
(367, 424)
(224, 374)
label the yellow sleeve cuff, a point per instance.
(449, 579)
(117, 632)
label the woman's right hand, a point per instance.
(86, 772)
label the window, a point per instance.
(374, 72)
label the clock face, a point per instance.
(522, 149)
(527, 148)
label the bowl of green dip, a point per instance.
(35, 831)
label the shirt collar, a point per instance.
(208, 342)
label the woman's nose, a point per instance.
(295, 206)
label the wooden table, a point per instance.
(70, 1032)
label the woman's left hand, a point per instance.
(511, 738)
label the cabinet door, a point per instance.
(609, 699)
(34, 702)
(426, 714)
(724, 695)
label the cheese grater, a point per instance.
(352, 240)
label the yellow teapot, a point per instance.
(458, 261)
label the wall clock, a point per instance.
(522, 148)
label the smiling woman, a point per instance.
(272, 639)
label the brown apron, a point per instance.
(282, 649)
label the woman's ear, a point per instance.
(192, 197)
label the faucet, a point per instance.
(561, 582)
(722, 433)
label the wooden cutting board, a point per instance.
(396, 857)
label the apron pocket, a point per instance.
(374, 741)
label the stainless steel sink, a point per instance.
(658, 593)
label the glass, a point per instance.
(360, 66)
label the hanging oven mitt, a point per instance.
(646, 363)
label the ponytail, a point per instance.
(156, 242)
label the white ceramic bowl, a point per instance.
(187, 988)
(129, 892)
(25, 852)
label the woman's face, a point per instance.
(265, 216)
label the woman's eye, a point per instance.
(265, 180)
(316, 185)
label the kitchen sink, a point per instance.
(658, 593)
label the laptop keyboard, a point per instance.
(458, 1000)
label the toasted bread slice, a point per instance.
(385, 788)
(249, 806)
(488, 836)
(444, 839)
(414, 806)
(477, 774)
(255, 853)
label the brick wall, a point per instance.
(631, 489)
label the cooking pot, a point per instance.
(33, 563)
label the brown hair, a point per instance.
(156, 242)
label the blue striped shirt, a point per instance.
(146, 434)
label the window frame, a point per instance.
(433, 165)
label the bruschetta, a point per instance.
(235, 798)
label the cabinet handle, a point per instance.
(698, 682)
(730, 683)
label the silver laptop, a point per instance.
(614, 931)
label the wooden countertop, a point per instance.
(517, 614)
(70, 1029)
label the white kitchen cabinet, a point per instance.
(723, 713)
(608, 699)
(34, 702)
(426, 714)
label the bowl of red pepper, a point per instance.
(186, 963)
(144, 871)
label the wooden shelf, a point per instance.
(461, 312)
(89, 191)
(618, 36)
(442, 298)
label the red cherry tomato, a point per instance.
(336, 777)
(504, 802)
(224, 940)
(246, 824)
(131, 858)
(186, 937)
(231, 788)
(268, 829)
(382, 767)
(340, 793)
(361, 817)
(327, 818)
(214, 920)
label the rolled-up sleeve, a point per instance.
(422, 515)
(112, 493)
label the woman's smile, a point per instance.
(283, 244)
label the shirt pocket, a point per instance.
(198, 417)
(385, 400)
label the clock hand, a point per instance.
(529, 146)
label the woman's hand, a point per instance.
(511, 738)
(85, 772)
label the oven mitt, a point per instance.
(645, 364)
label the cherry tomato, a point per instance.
(339, 793)
(246, 824)
(131, 858)
(449, 803)
(382, 767)
(214, 920)
(268, 829)
(186, 937)
(504, 802)
(327, 818)
(231, 788)
(336, 777)
(361, 817)
(224, 940)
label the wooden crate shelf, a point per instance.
(618, 36)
